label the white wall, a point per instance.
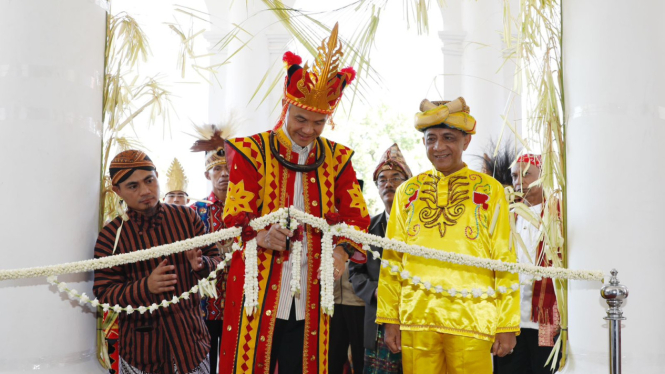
(51, 69)
(614, 89)
(473, 60)
(241, 77)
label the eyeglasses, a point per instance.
(395, 180)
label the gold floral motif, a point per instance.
(438, 213)
(357, 200)
(239, 199)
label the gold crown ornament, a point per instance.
(454, 114)
(317, 88)
(176, 180)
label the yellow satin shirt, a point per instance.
(465, 212)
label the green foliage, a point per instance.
(370, 136)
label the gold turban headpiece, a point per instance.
(451, 113)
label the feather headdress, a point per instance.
(211, 140)
(498, 166)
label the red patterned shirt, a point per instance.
(211, 214)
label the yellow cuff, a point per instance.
(515, 329)
(382, 320)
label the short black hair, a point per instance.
(444, 126)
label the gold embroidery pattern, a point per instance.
(357, 200)
(239, 200)
(441, 214)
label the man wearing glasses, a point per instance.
(391, 171)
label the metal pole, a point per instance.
(614, 294)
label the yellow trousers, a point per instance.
(431, 352)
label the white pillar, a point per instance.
(615, 99)
(217, 108)
(278, 41)
(247, 67)
(51, 75)
(220, 26)
(453, 37)
(473, 59)
(242, 75)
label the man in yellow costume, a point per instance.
(290, 165)
(446, 317)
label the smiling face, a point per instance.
(304, 126)
(219, 176)
(444, 148)
(523, 174)
(140, 191)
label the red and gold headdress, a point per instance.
(319, 88)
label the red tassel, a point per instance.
(350, 74)
(282, 117)
(291, 58)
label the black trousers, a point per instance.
(527, 357)
(287, 344)
(346, 328)
(215, 330)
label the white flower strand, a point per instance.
(340, 230)
(453, 258)
(296, 253)
(476, 292)
(251, 285)
(205, 286)
(121, 259)
(327, 276)
(320, 223)
(295, 256)
(251, 277)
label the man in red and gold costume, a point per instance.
(291, 166)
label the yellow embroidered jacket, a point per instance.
(259, 184)
(465, 212)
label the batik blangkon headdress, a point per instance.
(125, 163)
